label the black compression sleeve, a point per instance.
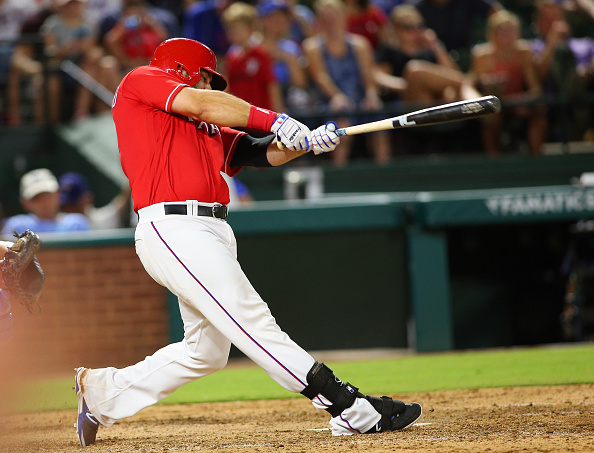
(251, 152)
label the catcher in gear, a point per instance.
(20, 273)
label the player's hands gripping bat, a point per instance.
(291, 134)
(324, 138)
(21, 272)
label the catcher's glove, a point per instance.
(21, 272)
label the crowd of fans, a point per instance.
(346, 60)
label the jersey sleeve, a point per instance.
(152, 86)
(230, 138)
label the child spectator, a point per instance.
(247, 64)
(504, 67)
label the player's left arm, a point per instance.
(251, 151)
(278, 156)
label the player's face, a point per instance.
(205, 80)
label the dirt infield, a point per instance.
(520, 419)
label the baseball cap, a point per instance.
(72, 187)
(267, 7)
(38, 181)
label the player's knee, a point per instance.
(214, 363)
(219, 363)
(322, 381)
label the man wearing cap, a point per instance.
(40, 197)
(76, 196)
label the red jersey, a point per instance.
(249, 74)
(368, 24)
(166, 156)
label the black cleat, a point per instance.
(396, 415)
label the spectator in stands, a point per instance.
(301, 21)
(288, 60)
(40, 197)
(565, 66)
(417, 66)
(367, 19)
(504, 67)
(135, 36)
(17, 59)
(388, 5)
(239, 194)
(97, 10)
(459, 24)
(69, 38)
(580, 16)
(248, 65)
(175, 6)
(76, 196)
(341, 66)
(163, 16)
(203, 22)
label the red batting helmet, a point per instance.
(176, 54)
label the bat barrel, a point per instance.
(456, 111)
(445, 113)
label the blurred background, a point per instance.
(475, 234)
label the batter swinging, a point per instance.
(174, 123)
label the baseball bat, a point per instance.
(445, 113)
(86, 80)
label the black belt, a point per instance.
(218, 211)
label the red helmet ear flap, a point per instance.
(177, 55)
(185, 75)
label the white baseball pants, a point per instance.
(196, 259)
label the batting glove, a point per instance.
(324, 138)
(291, 133)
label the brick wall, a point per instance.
(99, 308)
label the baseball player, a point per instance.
(174, 125)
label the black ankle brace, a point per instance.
(321, 380)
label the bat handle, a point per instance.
(340, 132)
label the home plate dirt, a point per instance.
(519, 419)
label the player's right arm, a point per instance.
(210, 106)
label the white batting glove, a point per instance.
(324, 138)
(291, 133)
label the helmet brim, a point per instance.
(218, 82)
